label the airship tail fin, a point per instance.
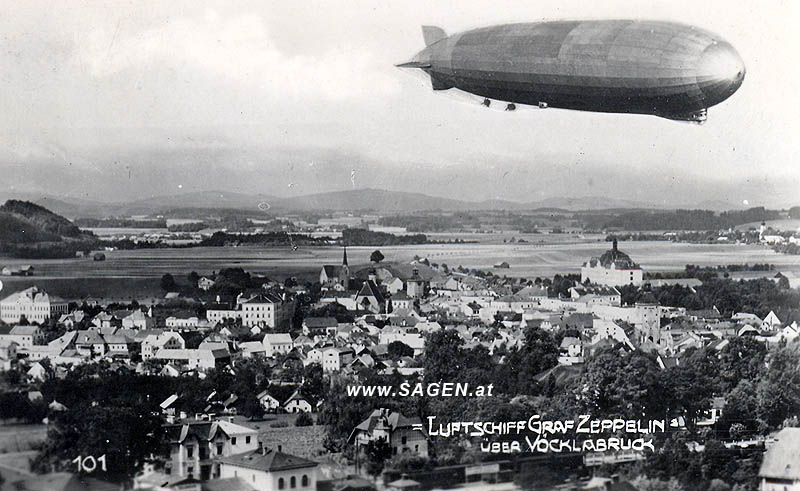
(432, 34)
(414, 64)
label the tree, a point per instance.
(376, 256)
(193, 278)
(377, 452)
(251, 407)
(304, 419)
(446, 361)
(398, 349)
(168, 282)
(779, 388)
(127, 436)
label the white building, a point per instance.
(334, 359)
(166, 340)
(196, 445)
(36, 305)
(779, 470)
(271, 470)
(24, 336)
(266, 310)
(277, 344)
(613, 268)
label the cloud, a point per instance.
(238, 50)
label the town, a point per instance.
(235, 380)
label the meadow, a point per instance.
(136, 272)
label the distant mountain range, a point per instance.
(377, 200)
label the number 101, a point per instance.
(88, 464)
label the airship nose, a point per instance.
(720, 71)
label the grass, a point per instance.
(19, 438)
(136, 273)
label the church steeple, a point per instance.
(344, 257)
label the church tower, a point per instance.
(344, 273)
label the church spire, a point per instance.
(344, 257)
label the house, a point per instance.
(334, 359)
(205, 284)
(39, 371)
(275, 344)
(298, 403)
(137, 320)
(24, 336)
(152, 343)
(596, 295)
(320, 326)
(90, 343)
(195, 359)
(779, 469)
(393, 285)
(69, 320)
(403, 434)
(33, 304)
(182, 320)
(196, 446)
(771, 321)
(271, 470)
(268, 401)
(8, 353)
(218, 312)
(401, 300)
(570, 351)
(252, 349)
(266, 309)
(370, 298)
(119, 345)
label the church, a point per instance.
(336, 277)
(613, 268)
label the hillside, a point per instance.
(32, 231)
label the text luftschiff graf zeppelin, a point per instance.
(570, 435)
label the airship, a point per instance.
(665, 69)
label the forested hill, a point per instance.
(689, 219)
(29, 230)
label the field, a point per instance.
(21, 437)
(135, 273)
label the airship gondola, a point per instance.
(665, 69)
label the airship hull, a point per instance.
(665, 69)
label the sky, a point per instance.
(120, 100)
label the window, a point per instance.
(281, 483)
(293, 482)
(219, 449)
(190, 452)
(233, 441)
(247, 439)
(190, 471)
(404, 439)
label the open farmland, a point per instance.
(140, 269)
